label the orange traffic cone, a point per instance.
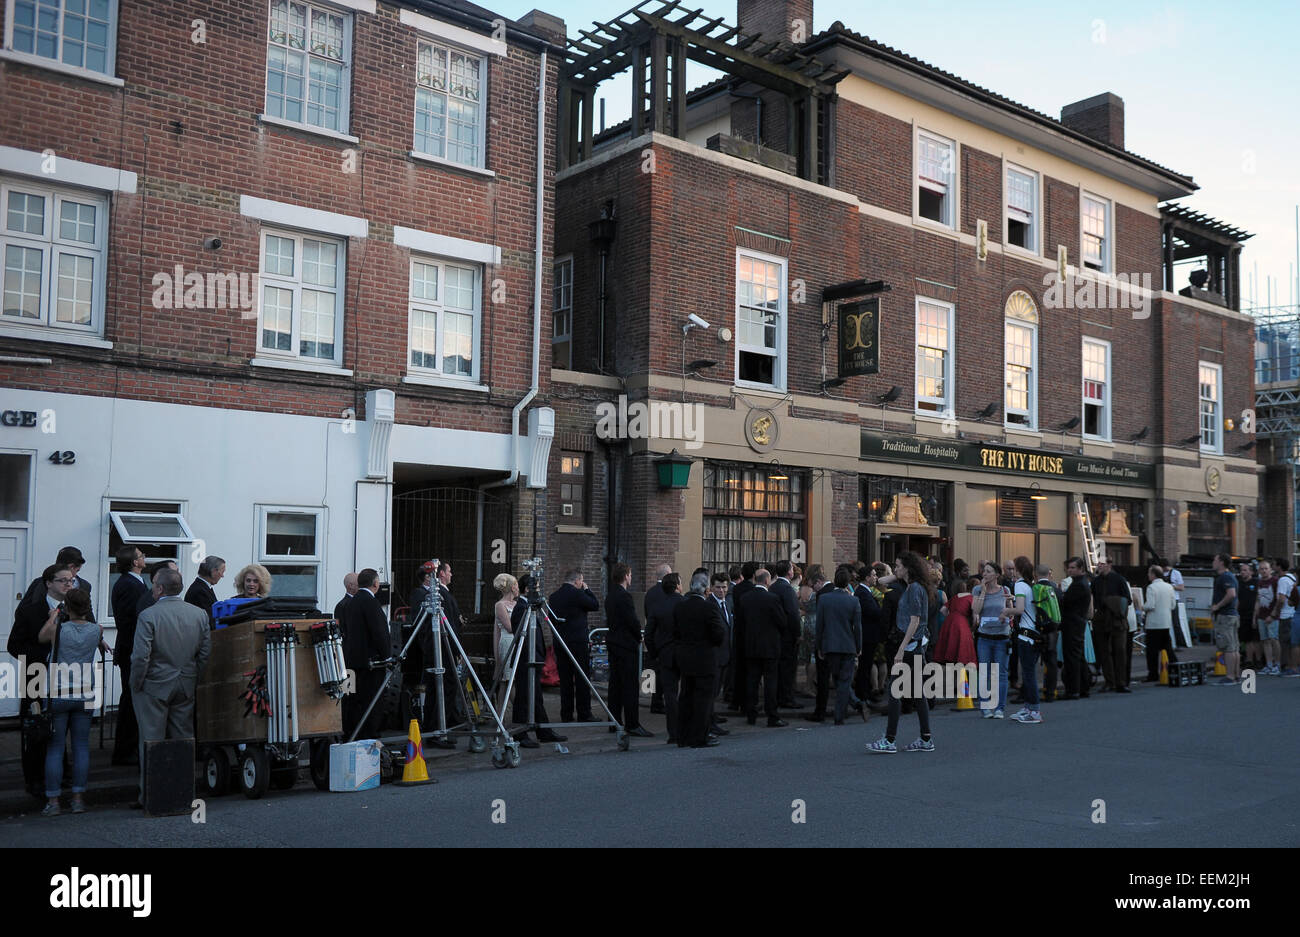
(1164, 668)
(415, 771)
(1219, 669)
(965, 698)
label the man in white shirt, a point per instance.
(1285, 612)
(1161, 606)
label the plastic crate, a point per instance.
(1186, 673)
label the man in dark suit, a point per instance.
(571, 603)
(349, 590)
(698, 629)
(783, 590)
(365, 637)
(129, 589)
(659, 642)
(24, 642)
(1110, 601)
(172, 644)
(723, 653)
(202, 591)
(877, 619)
(425, 576)
(653, 597)
(765, 626)
(839, 638)
(450, 608)
(740, 660)
(150, 575)
(67, 556)
(624, 638)
(1076, 610)
(821, 585)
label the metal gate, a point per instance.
(466, 527)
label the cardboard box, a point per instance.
(354, 766)
(1186, 673)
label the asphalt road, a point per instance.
(1196, 766)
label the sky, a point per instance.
(1211, 90)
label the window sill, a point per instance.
(27, 58)
(1098, 441)
(59, 336)
(428, 380)
(936, 227)
(1017, 431)
(574, 529)
(290, 364)
(450, 164)
(761, 390)
(930, 416)
(1206, 450)
(1011, 250)
(307, 128)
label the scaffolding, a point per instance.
(1277, 401)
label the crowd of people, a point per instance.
(715, 637)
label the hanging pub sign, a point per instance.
(860, 338)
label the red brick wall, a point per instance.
(189, 188)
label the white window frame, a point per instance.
(439, 308)
(557, 308)
(57, 63)
(480, 150)
(952, 217)
(947, 403)
(779, 366)
(1008, 321)
(1035, 210)
(120, 520)
(108, 562)
(345, 79)
(316, 559)
(295, 285)
(1108, 245)
(1105, 422)
(53, 246)
(1216, 445)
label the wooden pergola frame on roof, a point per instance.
(1191, 234)
(657, 48)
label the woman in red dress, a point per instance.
(956, 644)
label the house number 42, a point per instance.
(66, 457)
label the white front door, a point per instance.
(13, 580)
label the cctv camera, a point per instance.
(698, 321)
(212, 243)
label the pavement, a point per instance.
(1192, 766)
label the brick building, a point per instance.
(272, 273)
(937, 319)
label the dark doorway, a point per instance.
(461, 526)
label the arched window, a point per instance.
(1021, 357)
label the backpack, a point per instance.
(1047, 607)
(1292, 597)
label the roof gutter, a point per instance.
(484, 24)
(953, 84)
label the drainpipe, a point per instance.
(537, 287)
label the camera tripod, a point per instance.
(525, 641)
(505, 750)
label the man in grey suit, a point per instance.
(839, 638)
(172, 643)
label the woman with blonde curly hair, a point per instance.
(253, 582)
(502, 633)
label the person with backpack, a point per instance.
(1029, 641)
(1288, 597)
(992, 638)
(1047, 601)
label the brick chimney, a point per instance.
(775, 19)
(545, 24)
(1100, 117)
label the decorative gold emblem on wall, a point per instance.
(761, 430)
(905, 510)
